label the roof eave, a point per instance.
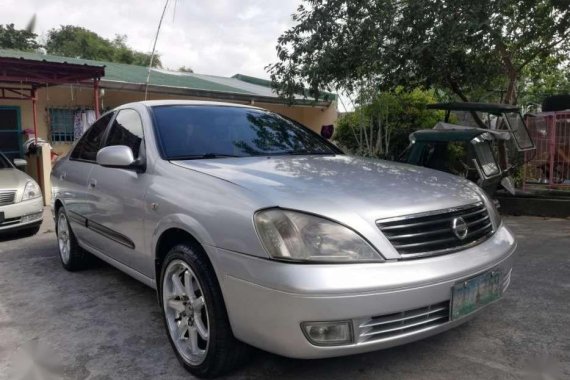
(246, 98)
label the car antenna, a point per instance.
(154, 49)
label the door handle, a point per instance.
(63, 175)
(92, 183)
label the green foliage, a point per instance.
(12, 38)
(381, 126)
(75, 41)
(544, 78)
(466, 47)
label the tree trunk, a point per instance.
(457, 90)
(379, 137)
(512, 74)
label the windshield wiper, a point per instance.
(201, 156)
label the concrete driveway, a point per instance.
(101, 324)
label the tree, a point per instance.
(544, 78)
(462, 46)
(185, 69)
(75, 41)
(12, 38)
(381, 126)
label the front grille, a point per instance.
(10, 221)
(430, 234)
(397, 325)
(7, 197)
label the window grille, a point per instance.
(61, 124)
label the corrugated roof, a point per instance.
(133, 74)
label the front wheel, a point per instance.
(195, 316)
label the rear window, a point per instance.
(188, 132)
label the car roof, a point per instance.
(176, 102)
(495, 109)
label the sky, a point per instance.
(218, 37)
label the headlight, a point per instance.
(294, 236)
(31, 191)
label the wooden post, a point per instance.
(35, 120)
(96, 96)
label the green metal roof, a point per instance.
(119, 72)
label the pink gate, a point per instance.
(549, 165)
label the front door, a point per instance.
(10, 132)
(75, 171)
(119, 208)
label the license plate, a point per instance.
(475, 293)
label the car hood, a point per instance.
(341, 186)
(12, 179)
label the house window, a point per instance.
(61, 124)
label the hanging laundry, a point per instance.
(91, 117)
(78, 125)
(81, 121)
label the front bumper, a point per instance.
(267, 300)
(22, 215)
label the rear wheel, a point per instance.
(72, 256)
(195, 316)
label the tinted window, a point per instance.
(87, 147)
(187, 132)
(127, 130)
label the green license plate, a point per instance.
(470, 295)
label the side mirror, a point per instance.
(116, 156)
(20, 162)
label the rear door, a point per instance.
(118, 210)
(71, 179)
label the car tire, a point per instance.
(72, 256)
(193, 311)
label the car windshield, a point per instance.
(4, 163)
(195, 132)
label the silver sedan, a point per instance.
(21, 202)
(255, 231)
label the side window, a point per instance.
(87, 148)
(127, 130)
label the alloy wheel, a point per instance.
(186, 312)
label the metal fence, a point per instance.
(549, 165)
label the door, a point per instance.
(119, 207)
(10, 132)
(72, 174)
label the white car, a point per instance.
(21, 202)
